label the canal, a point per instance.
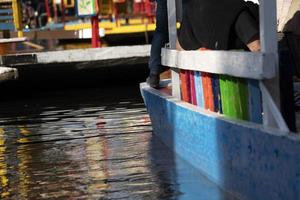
(88, 142)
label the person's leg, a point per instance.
(286, 66)
(294, 46)
(160, 38)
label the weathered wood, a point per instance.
(239, 64)
(83, 55)
(21, 59)
(105, 54)
(12, 40)
(8, 74)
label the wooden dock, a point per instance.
(7, 73)
(105, 55)
(83, 30)
(79, 58)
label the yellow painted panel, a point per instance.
(130, 29)
(69, 3)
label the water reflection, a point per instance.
(90, 144)
(3, 166)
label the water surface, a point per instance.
(90, 144)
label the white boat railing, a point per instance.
(261, 66)
(172, 26)
(238, 64)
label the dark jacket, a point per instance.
(208, 23)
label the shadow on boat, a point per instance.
(188, 182)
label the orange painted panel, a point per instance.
(207, 91)
(185, 85)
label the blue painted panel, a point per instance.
(255, 101)
(199, 89)
(216, 90)
(7, 26)
(7, 17)
(6, 11)
(244, 160)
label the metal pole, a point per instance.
(55, 11)
(95, 32)
(95, 28)
(48, 10)
(62, 11)
(17, 14)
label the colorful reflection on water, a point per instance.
(90, 144)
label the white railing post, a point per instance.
(172, 42)
(268, 37)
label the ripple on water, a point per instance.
(90, 148)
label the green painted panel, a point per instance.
(234, 94)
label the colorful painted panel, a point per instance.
(192, 88)
(216, 93)
(199, 89)
(208, 91)
(234, 95)
(185, 86)
(86, 7)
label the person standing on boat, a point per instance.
(289, 60)
(160, 38)
(291, 30)
(220, 25)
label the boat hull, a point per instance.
(246, 159)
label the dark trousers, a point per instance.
(286, 71)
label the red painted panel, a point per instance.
(185, 85)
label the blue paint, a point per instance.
(216, 91)
(199, 89)
(6, 11)
(255, 105)
(6, 19)
(7, 26)
(186, 182)
(242, 159)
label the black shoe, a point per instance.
(153, 81)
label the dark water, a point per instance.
(90, 144)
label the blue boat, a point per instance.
(249, 159)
